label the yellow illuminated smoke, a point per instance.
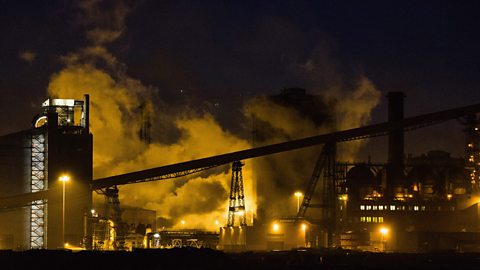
(200, 199)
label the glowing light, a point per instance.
(66, 245)
(240, 213)
(276, 227)
(298, 194)
(449, 196)
(216, 222)
(156, 235)
(304, 227)
(64, 178)
(343, 197)
(183, 222)
(384, 231)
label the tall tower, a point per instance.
(395, 174)
(61, 144)
(236, 205)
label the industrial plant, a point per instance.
(406, 204)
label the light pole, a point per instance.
(298, 195)
(64, 179)
(384, 233)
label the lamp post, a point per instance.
(64, 179)
(384, 233)
(298, 195)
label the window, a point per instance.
(374, 207)
(369, 207)
(415, 208)
(392, 207)
(380, 207)
(375, 219)
(369, 219)
(362, 207)
(380, 219)
(362, 219)
(423, 208)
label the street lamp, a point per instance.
(64, 179)
(298, 195)
(384, 233)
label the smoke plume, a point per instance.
(119, 103)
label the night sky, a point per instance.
(220, 52)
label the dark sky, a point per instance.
(219, 51)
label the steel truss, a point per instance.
(38, 183)
(237, 196)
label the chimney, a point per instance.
(395, 176)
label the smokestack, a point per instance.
(87, 113)
(395, 168)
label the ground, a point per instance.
(189, 258)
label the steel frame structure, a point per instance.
(236, 205)
(38, 208)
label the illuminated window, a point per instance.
(380, 219)
(403, 208)
(374, 207)
(392, 207)
(375, 219)
(410, 208)
(369, 219)
(362, 219)
(380, 207)
(423, 208)
(415, 208)
(369, 207)
(399, 208)
(362, 207)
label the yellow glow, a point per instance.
(276, 227)
(298, 194)
(240, 213)
(64, 178)
(216, 222)
(183, 222)
(449, 196)
(344, 197)
(66, 244)
(304, 227)
(384, 230)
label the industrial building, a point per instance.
(32, 162)
(408, 204)
(423, 203)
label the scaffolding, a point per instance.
(38, 183)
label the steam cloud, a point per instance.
(117, 104)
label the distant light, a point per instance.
(343, 197)
(384, 230)
(449, 196)
(216, 222)
(304, 227)
(276, 227)
(64, 178)
(66, 244)
(183, 222)
(156, 235)
(298, 194)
